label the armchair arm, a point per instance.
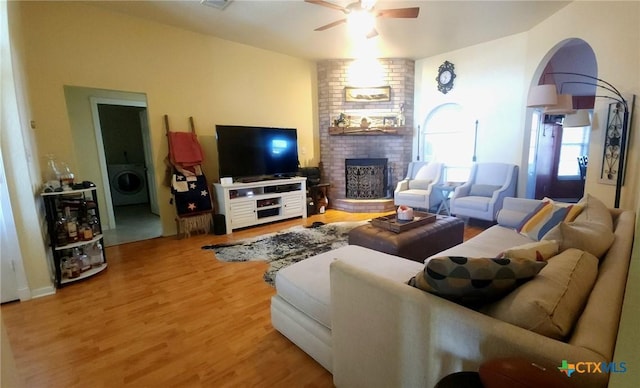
(402, 186)
(462, 190)
(507, 190)
(388, 334)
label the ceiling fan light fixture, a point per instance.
(361, 23)
(367, 4)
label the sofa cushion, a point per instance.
(305, 284)
(539, 250)
(471, 279)
(420, 184)
(595, 211)
(550, 303)
(413, 195)
(547, 215)
(593, 237)
(481, 190)
(490, 243)
(473, 202)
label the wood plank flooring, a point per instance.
(165, 313)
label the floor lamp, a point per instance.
(546, 96)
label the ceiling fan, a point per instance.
(366, 7)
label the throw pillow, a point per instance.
(428, 171)
(539, 250)
(470, 279)
(543, 218)
(593, 237)
(551, 303)
(479, 190)
(419, 184)
(595, 211)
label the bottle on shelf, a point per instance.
(66, 177)
(53, 172)
(72, 226)
(92, 218)
(70, 267)
(95, 254)
(61, 231)
(94, 223)
(82, 259)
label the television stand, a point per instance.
(253, 203)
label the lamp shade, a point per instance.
(542, 95)
(563, 106)
(578, 119)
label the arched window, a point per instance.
(449, 137)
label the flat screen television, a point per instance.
(250, 153)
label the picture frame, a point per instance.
(389, 121)
(367, 94)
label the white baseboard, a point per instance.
(40, 292)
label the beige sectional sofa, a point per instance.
(352, 310)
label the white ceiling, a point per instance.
(288, 26)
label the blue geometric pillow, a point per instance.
(471, 279)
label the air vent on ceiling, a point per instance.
(220, 4)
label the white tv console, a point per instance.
(254, 203)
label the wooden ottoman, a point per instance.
(414, 244)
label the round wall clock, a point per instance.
(445, 77)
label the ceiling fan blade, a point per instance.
(327, 26)
(372, 34)
(404, 13)
(328, 5)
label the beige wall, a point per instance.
(494, 78)
(182, 73)
(612, 29)
(488, 87)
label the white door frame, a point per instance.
(14, 284)
(102, 159)
(148, 158)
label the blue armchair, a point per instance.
(482, 195)
(416, 190)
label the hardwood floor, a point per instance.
(164, 313)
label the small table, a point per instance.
(445, 192)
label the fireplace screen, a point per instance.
(366, 178)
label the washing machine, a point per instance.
(128, 184)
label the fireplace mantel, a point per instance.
(377, 131)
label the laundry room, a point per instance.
(121, 128)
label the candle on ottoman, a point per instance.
(405, 213)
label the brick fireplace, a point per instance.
(396, 147)
(366, 178)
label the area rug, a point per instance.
(286, 247)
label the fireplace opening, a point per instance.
(366, 178)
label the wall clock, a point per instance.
(445, 77)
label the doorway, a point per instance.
(556, 152)
(122, 135)
(558, 172)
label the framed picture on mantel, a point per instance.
(375, 94)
